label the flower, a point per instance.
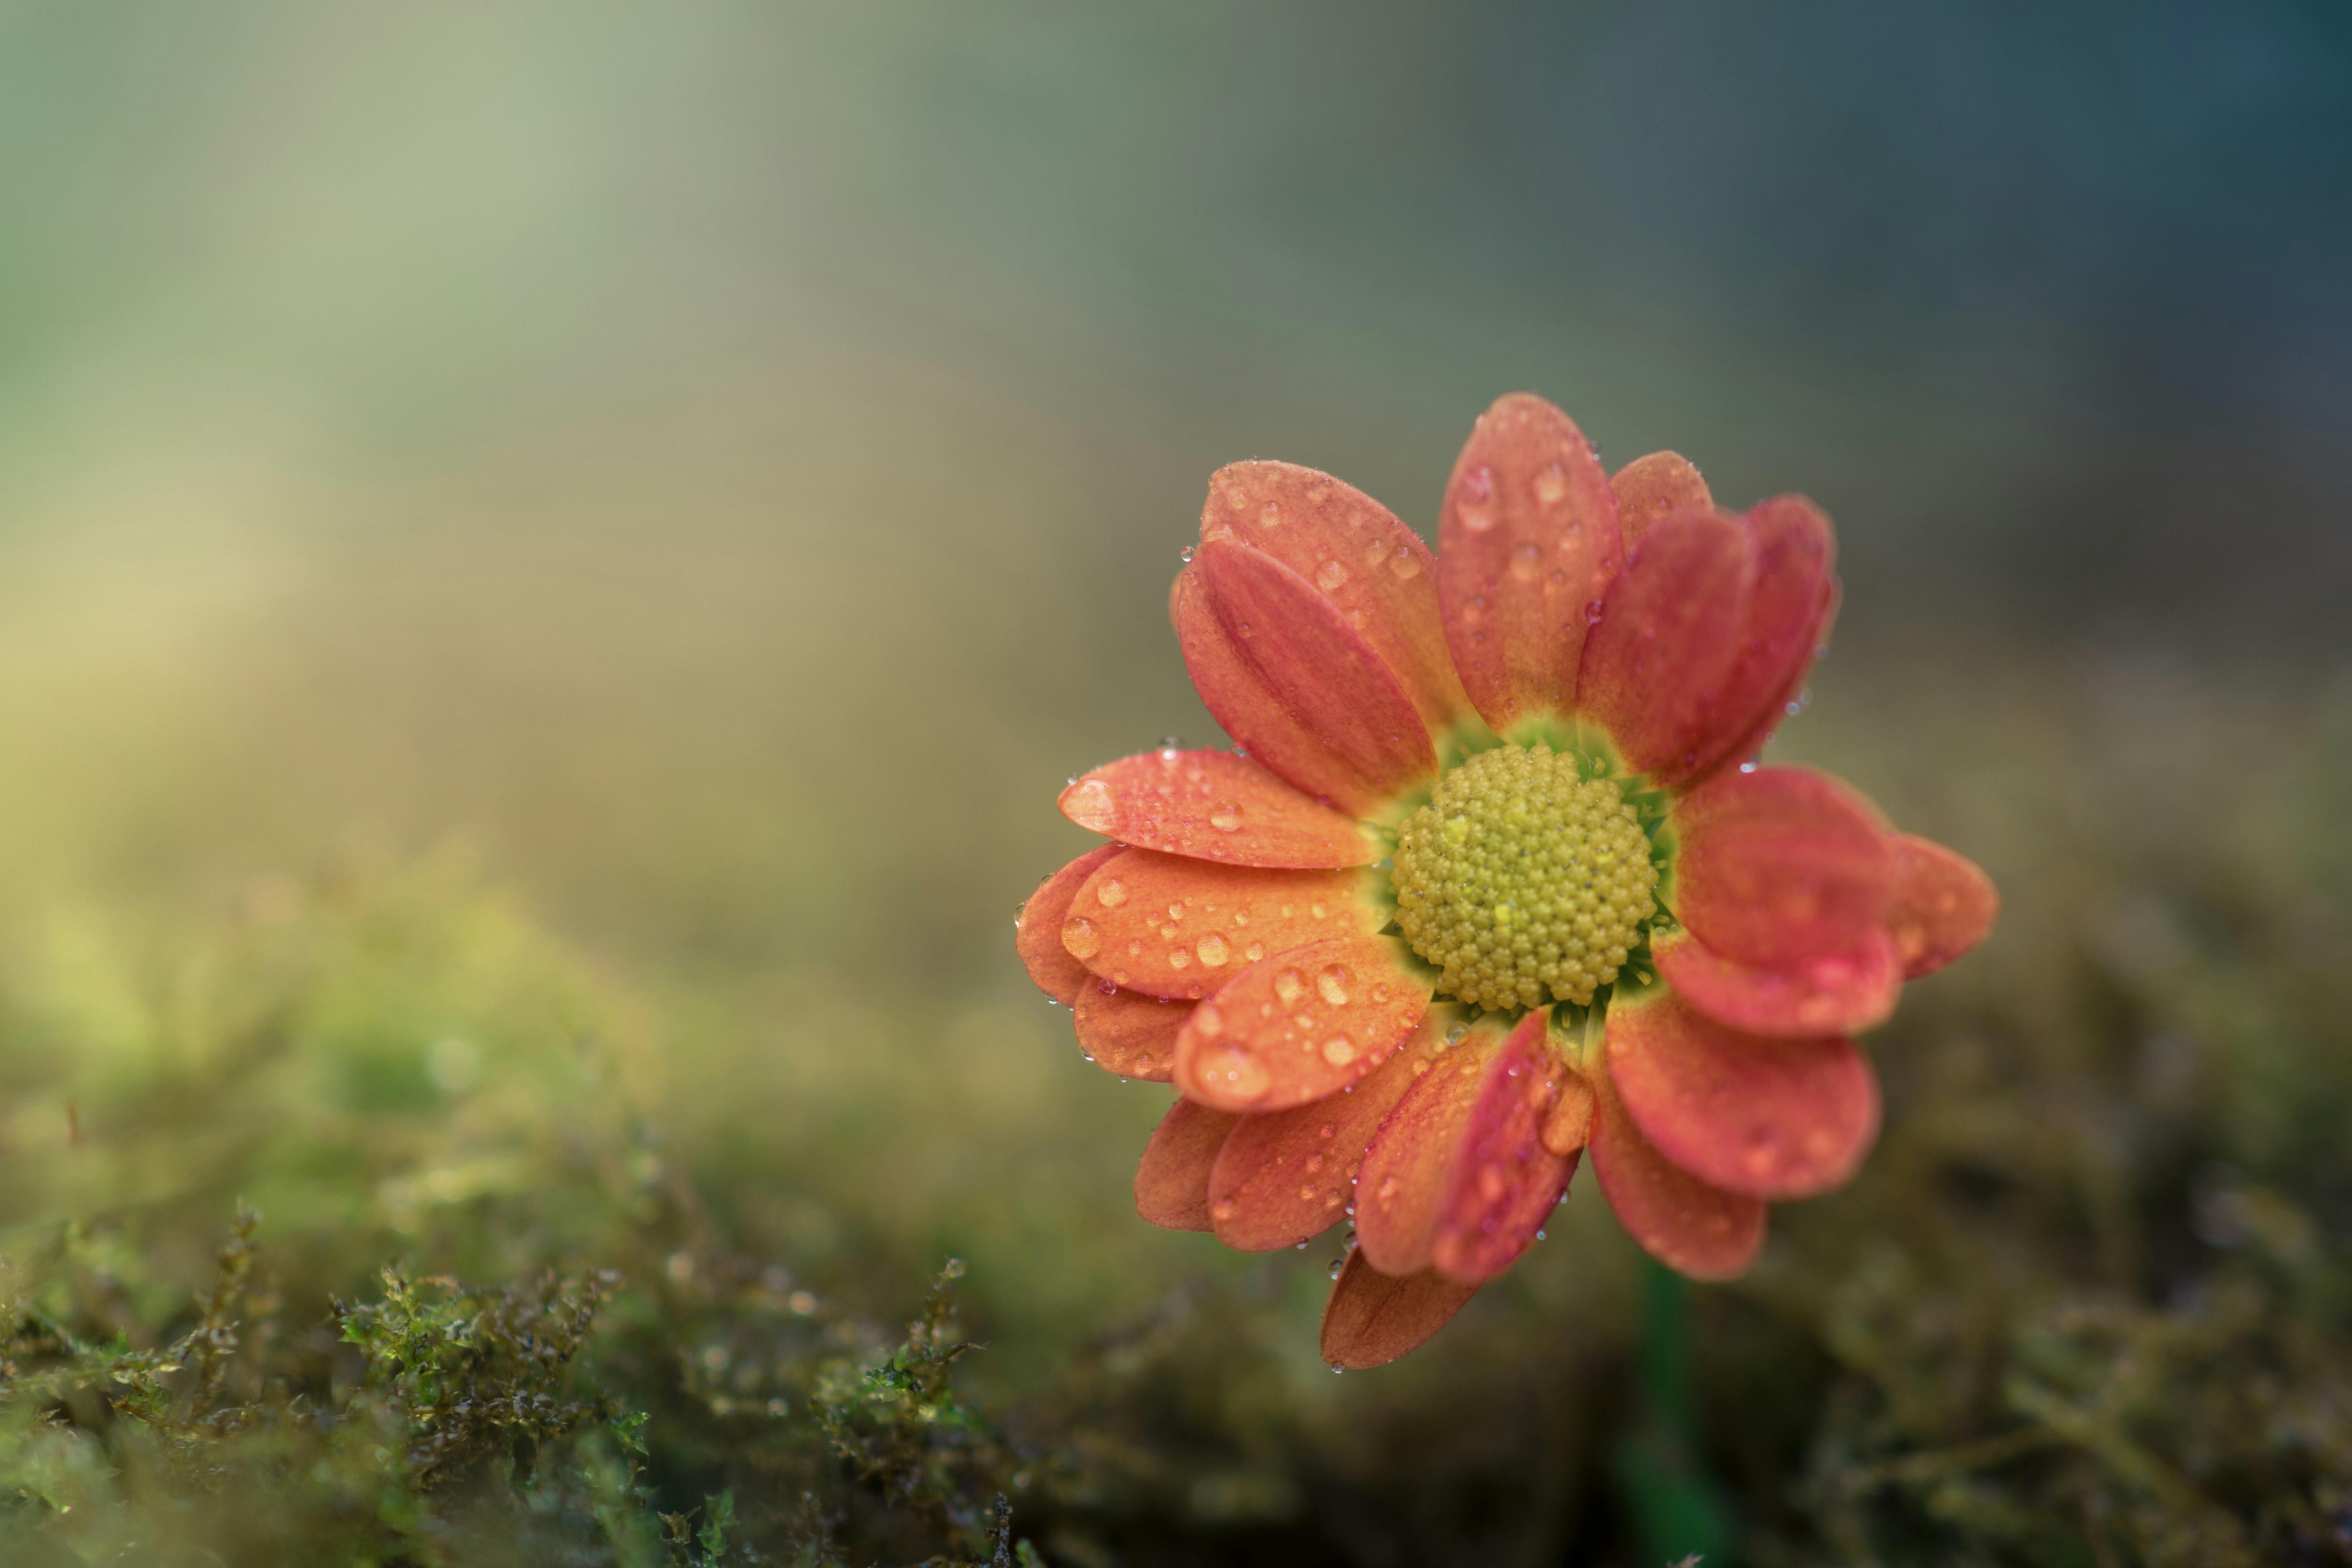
(1492, 879)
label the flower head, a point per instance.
(1492, 879)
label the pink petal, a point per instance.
(1649, 489)
(1400, 1193)
(1778, 866)
(1684, 1224)
(1375, 571)
(1528, 542)
(1943, 905)
(1847, 993)
(1505, 1183)
(1767, 1118)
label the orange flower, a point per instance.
(1490, 878)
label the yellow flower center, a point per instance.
(1523, 882)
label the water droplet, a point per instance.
(1081, 937)
(1223, 1209)
(1179, 959)
(1225, 817)
(1269, 516)
(1211, 950)
(1551, 484)
(1313, 1163)
(1339, 1050)
(1207, 1022)
(1289, 985)
(1112, 893)
(1319, 909)
(1376, 551)
(1337, 1265)
(1253, 952)
(1526, 563)
(1331, 983)
(1330, 576)
(1091, 805)
(1405, 564)
(1240, 1074)
(1184, 554)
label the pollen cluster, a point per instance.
(1525, 884)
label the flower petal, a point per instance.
(1528, 542)
(1373, 1318)
(1771, 1118)
(1778, 866)
(1648, 489)
(1128, 1032)
(1401, 1193)
(1212, 805)
(1505, 1183)
(1827, 994)
(1684, 1224)
(1794, 590)
(1174, 926)
(1568, 1125)
(1284, 1177)
(1667, 638)
(1038, 933)
(1171, 1183)
(1302, 1023)
(1708, 632)
(1943, 905)
(1299, 688)
(1374, 569)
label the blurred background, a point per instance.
(617, 521)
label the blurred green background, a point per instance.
(524, 522)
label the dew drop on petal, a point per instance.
(1331, 983)
(1330, 576)
(1289, 985)
(1211, 950)
(1551, 484)
(1080, 937)
(1339, 1050)
(1225, 817)
(1112, 893)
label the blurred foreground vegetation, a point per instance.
(553, 1266)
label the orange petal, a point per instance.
(1505, 1183)
(1771, 1118)
(1288, 678)
(1827, 994)
(1401, 1193)
(1304, 1023)
(1374, 569)
(1649, 488)
(1666, 638)
(1778, 866)
(1528, 542)
(1284, 1177)
(1212, 805)
(1568, 1125)
(1684, 1224)
(1373, 1318)
(1943, 905)
(1127, 1032)
(1172, 1185)
(1037, 932)
(1784, 620)
(1178, 927)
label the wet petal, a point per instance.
(1304, 1023)
(1649, 489)
(1708, 633)
(1178, 927)
(1286, 1176)
(1778, 866)
(1784, 619)
(1128, 1032)
(1943, 905)
(1528, 542)
(1401, 1193)
(1212, 805)
(1506, 1183)
(1373, 1318)
(1771, 1118)
(1375, 570)
(1667, 638)
(1684, 1224)
(1037, 934)
(1845, 993)
(1289, 679)
(1568, 1125)
(1171, 1183)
